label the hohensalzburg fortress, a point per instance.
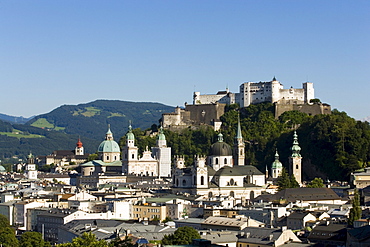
(258, 92)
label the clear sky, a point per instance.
(70, 52)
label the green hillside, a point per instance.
(19, 140)
(329, 143)
(91, 119)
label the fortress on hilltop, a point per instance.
(208, 108)
(258, 92)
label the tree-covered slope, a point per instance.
(91, 119)
(333, 145)
(19, 140)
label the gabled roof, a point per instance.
(238, 171)
(360, 233)
(303, 194)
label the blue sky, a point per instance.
(69, 52)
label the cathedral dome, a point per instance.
(2, 169)
(220, 148)
(109, 146)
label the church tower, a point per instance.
(201, 173)
(239, 147)
(31, 167)
(79, 150)
(295, 160)
(276, 167)
(162, 153)
(129, 152)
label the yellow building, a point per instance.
(148, 211)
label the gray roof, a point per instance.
(302, 194)
(101, 163)
(238, 171)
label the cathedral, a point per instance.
(222, 174)
(155, 163)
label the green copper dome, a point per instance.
(2, 169)
(277, 163)
(108, 145)
(130, 135)
(161, 136)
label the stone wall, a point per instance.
(312, 110)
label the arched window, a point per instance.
(107, 157)
(177, 182)
(202, 180)
(216, 161)
(225, 161)
(133, 156)
(183, 182)
(232, 182)
(210, 195)
(232, 194)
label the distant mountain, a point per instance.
(18, 140)
(13, 119)
(91, 119)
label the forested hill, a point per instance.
(332, 146)
(91, 119)
(13, 119)
(19, 140)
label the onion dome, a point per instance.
(161, 136)
(109, 145)
(221, 148)
(295, 148)
(79, 143)
(130, 135)
(277, 163)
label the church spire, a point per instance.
(109, 134)
(295, 148)
(239, 155)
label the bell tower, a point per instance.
(295, 160)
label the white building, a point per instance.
(30, 168)
(152, 163)
(258, 92)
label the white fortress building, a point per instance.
(258, 92)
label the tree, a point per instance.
(86, 240)
(283, 180)
(32, 239)
(315, 101)
(182, 236)
(7, 234)
(355, 212)
(316, 183)
(293, 182)
(92, 157)
(122, 242)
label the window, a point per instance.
(133, 156)
(225, 161)
(202, 180)
(216, 161)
